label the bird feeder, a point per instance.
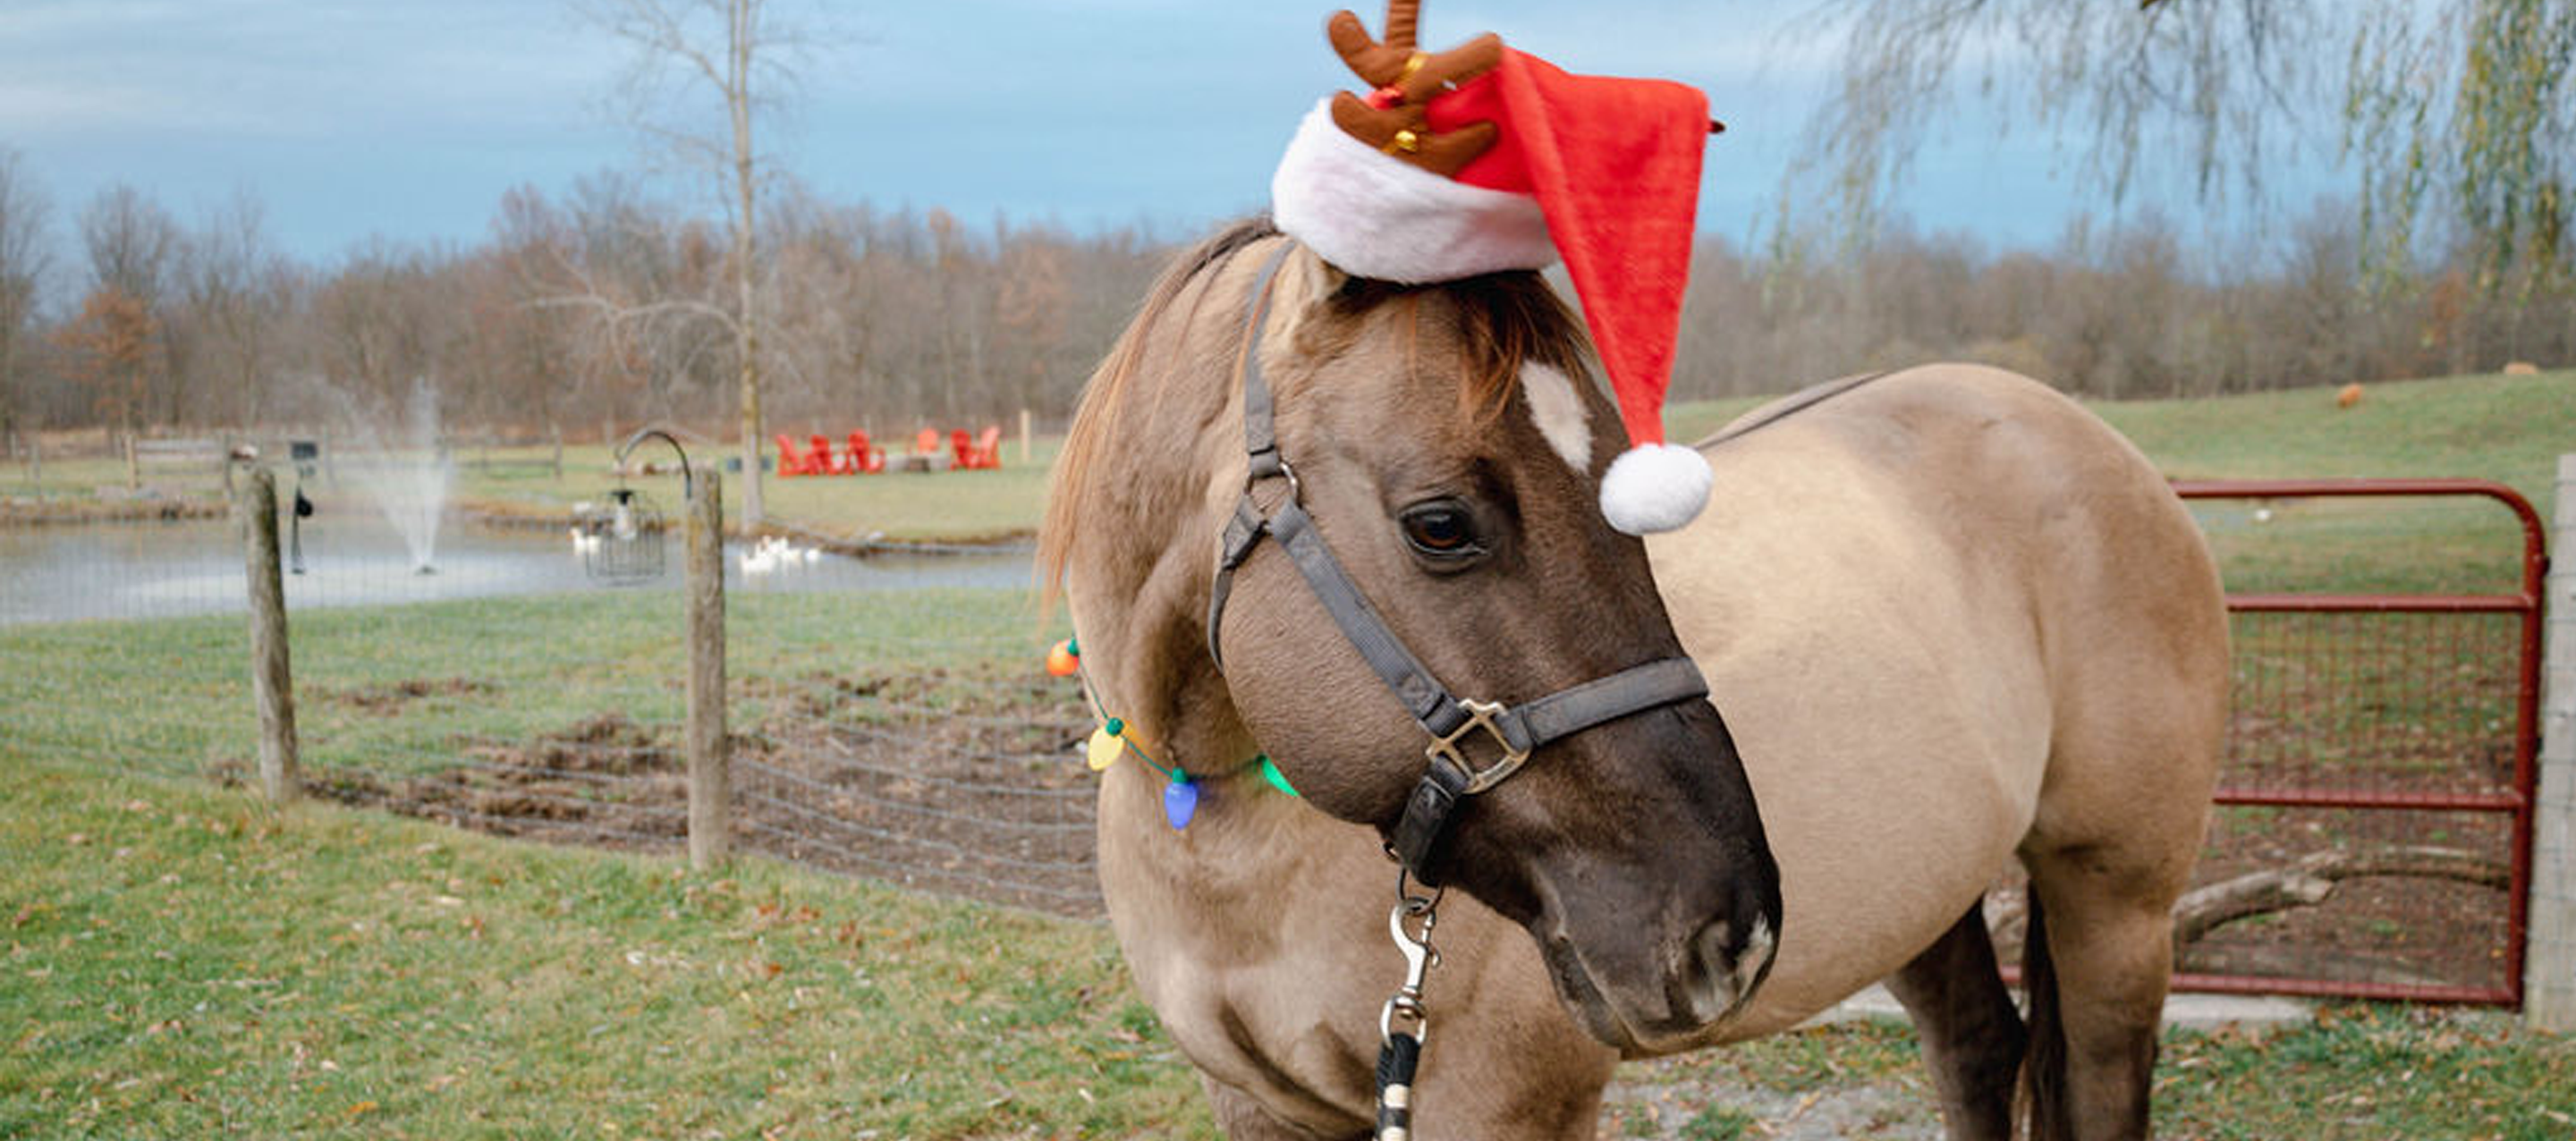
(621, 540)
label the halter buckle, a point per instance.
(1260, 469)
(1446, 749)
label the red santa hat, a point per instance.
(1489, 159)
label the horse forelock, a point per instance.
(1500, 323)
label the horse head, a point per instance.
(1447, 445)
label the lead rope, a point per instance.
(1404, 1024)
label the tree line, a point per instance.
(596, 309)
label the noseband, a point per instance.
(1515, 731)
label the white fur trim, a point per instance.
(1375, 216)
(1559, 414)
(1655, 487)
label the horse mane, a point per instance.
(1507, 320)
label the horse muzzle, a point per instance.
(1658, 990)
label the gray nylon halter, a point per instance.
(1516, 730)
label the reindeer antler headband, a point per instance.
(1481, 159)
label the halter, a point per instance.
(1515, 731)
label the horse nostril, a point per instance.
(1726, 967)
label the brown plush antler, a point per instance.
(1403, 80)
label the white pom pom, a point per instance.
(1655, 487)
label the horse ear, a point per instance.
(1306, 284)
(1327, 278)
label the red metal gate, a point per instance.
(2402, 724)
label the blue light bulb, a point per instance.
(1180, 800)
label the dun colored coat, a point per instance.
(1949, 620)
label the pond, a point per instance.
(170, 569)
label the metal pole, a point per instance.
(2549, 954)
(710, 781)
(272, 683)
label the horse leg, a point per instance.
(2099, 957)
(1972, 1037)
(1243, 1118)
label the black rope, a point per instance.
(1397, 1057)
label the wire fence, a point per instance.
(889, 715)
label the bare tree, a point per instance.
(2461, 108)
(131, 242)
(24, 261)
(133, 246)
(728, 49)
(235, 292)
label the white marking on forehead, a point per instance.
(1559, 413)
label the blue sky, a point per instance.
(407, 120)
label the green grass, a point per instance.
(181, 961)
(2370, 1071)
(2507, 429)
(2360, 1072)
(526, 666)
(947, 506)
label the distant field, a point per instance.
(2509, 429)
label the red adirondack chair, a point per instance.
(789, 463)
(828, 462)
(977, 453)
(865, 457)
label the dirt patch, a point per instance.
(389, 699)
(604, 780)
(962, 782)
(2395, 930)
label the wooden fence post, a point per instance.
(133, 467)
(272, 683)
(2549, 951)
(710, 781)
(1025, 453)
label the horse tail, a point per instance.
(2043, 1073)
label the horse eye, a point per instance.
(1441, 530)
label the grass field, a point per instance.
(184, 961)
(181, 960)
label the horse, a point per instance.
(1948, 619)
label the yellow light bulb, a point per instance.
(1104, 749)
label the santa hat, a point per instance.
(1482, 159)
